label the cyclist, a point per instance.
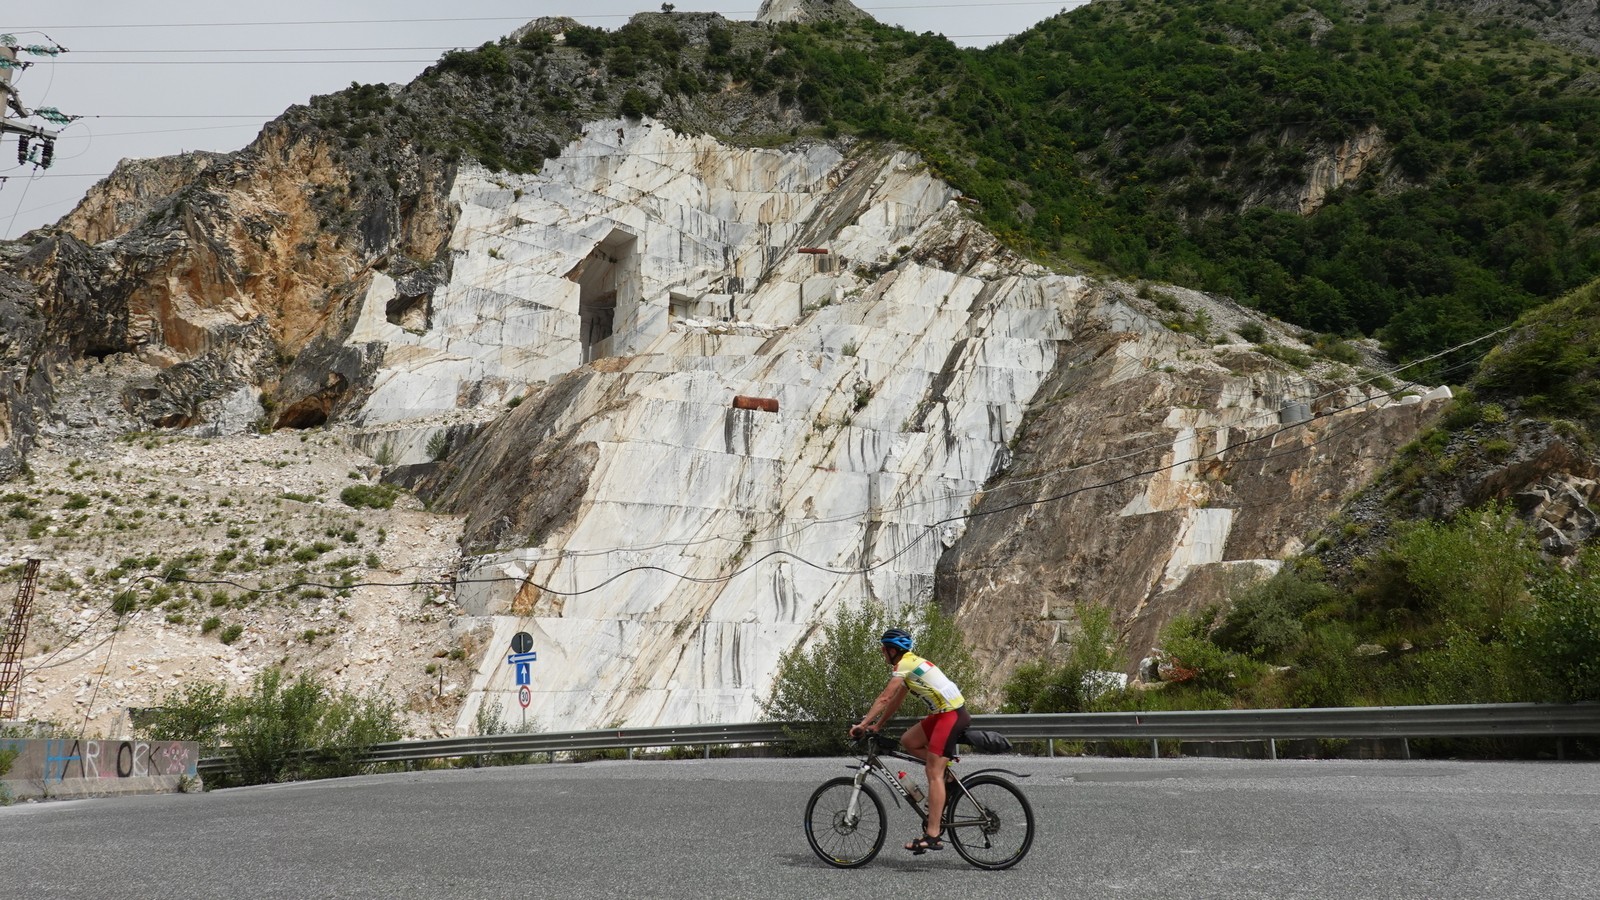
(933, 739)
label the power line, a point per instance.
(927, 529)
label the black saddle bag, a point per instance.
(986, 741)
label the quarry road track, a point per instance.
(1189, 828)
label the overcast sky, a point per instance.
(153, 79)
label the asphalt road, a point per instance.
(731, 828)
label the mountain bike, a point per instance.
(988, 820)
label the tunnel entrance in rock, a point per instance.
(413, 313)
(608, 293)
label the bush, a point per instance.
(280, 730)
(830, 683)
(372, 496)
(637, 104)
(231, 633)
(489, 722)
(1069, 685)
(1265, 619)
(1470, 573)
(1202, 665)
(438, 445)
(1558, 641)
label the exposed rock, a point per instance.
(1573, 24)
(1559, 508)
(934, 392)
(1186, 467)
(809, 11)
(1345, 164)
(136, 189)
(24, 387)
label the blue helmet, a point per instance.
(897, 637)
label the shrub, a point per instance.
(637, 104)
(1470, 572)
(488, 722)
(438, 445)
(282, 729)
(1265, 619)
(1558, 641)
(1252, 332)
(372, 496)
(830, 683)
(1201, 664)
(1068, 685)
(196, 711)
(1297, 358)
(231, 633)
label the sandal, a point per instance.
(924, 843)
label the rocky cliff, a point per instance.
(664, 544)
(682, 398)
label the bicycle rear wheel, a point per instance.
(836, 837)
(991, 823)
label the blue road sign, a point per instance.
(523, 675)
(516, 658)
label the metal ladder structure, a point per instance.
(16, 634)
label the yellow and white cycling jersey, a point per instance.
(926, 681)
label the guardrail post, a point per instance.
(1052, 751)
(630, 754)
(1155, 748)
(1561, 749)
(1405, 747)
(1272, 748)
(708, 751)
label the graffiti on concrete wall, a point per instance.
(57, 761)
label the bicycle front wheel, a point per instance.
(990, 823)
(839, 837)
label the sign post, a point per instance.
(521, 655)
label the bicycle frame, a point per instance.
(872, 763)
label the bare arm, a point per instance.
(884, 706)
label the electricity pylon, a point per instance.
(44, 154)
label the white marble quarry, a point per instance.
(584, 260)
(691, 249)
(709, 540)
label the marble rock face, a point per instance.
(663, 544)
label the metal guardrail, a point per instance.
(1482, 720)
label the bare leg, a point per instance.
(915, 742)
(935, 768)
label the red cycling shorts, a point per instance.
(943, 728)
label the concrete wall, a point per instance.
(92, 768)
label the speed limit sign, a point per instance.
(524, 696)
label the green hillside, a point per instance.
(1146, 138)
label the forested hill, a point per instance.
(1184, 142)
(1416, 171)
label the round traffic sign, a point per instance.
(521, 642)
(524, 696)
